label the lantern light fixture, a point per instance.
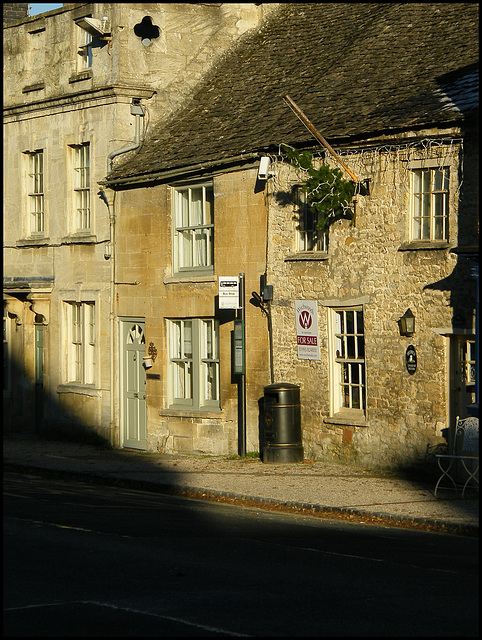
(407, 324)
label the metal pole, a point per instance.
(242, 379)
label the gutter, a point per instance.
(171, 173)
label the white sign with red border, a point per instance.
(306, 312)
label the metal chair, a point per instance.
(466, 451)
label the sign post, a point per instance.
(231, 296)
(239, 326)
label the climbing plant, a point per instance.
(328, 194)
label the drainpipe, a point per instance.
(108, 196)
(137, 110)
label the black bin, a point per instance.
(282, 423)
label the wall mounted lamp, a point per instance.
(407, 324)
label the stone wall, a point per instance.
(371, 263)
(143, 230)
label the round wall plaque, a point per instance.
(411, 359)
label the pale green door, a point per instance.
(134, 386)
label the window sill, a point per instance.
(82, 75)
(306, 255)
(80, 238)
(193, 413)
(34, 241)
(77, 387)
(424, 245)
(354, 418)
(191, 277)
(34, 87)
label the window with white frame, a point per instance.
(193, 367)
(81, 186)
(429, 193)
(35, 192)
(81, 343)
(193, 228)
(308, 236)
(84, 59)
(348, 359)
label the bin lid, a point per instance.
(278, 386)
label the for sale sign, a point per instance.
(306, 312)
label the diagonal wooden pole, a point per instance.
(295, 108)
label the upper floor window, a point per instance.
(348, 359)
(193, 228)
(308, 236)
(35, 191)
(81, 186)
(84, 59)
(429, 194)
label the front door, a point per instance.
(133, 392)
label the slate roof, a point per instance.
(356, 70)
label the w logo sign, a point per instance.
(305, 319)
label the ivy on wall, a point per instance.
(328, 194)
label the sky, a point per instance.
(40, 7)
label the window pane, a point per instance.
(350, 345)
(360, 347)
(209, 205)
(438, 180)
(175, 342)
(196, 207)
(187, 339)
(183, 209)
(355, 398)
(201, 255)
(426, 181)
(425, 228)
(350, 322)
(186, 244)
(208, 340)
(417, 181)
(439, 229)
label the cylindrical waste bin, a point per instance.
(282, 423)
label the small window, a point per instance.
(84, 58)
(308, 236)
(81, 342)
(193, 368)
(348, 359)
(430, 190)
(35, 191)
(193, 213)
(81, 186)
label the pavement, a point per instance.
(311, 488)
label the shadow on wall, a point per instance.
(29, 410)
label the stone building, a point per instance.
(82, 85)
(394, 88)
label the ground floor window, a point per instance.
(193, 367)
(81, 343)
(348, 359)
